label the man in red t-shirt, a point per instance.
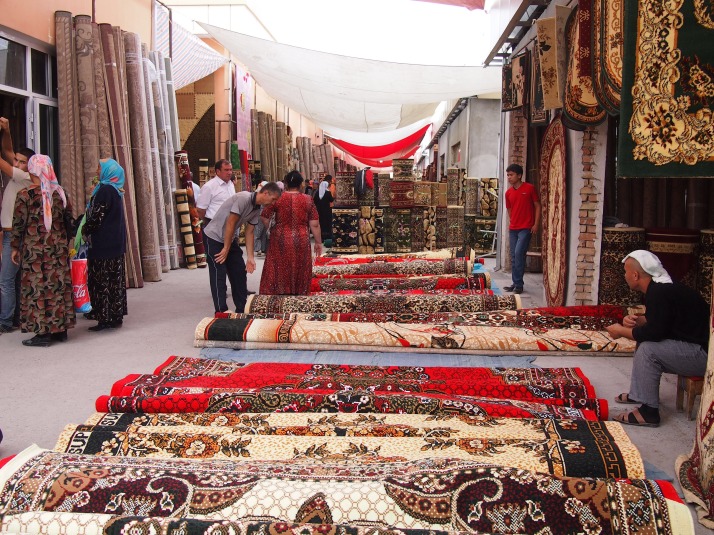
(524, 210)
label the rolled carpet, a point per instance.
(459, 266)
(211, 490)
(498, 318)
(549, 449)
(182, 376)
(479, 281)
(223, 332)
(374, 303)
(439, 254)
(346, 401)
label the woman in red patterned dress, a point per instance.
(288, 265)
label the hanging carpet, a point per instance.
(580, 109)
(538, 113)
(213, 489)
(667, 98)
(552, 49)
(553, 180)
(607, 53)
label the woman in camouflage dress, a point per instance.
(41, 248)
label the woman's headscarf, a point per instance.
(324, 186)
(112, 175)
(40, 165)
(651, 265)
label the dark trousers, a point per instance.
(234, 269)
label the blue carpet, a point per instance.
(372, 358)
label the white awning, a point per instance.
(191, 58)
(352, 93)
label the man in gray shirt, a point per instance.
(225, 257)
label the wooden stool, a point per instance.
(692, 386)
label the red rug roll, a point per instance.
(357, 402)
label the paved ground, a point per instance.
(43, 389)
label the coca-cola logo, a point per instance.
(79, 291)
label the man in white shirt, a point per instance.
(215, 192)
(20, 180)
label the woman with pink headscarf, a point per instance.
(40, 246)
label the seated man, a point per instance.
(672, 336)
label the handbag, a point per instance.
(271, 224)
(80, 288)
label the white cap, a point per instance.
(651, 265)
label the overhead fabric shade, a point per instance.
(191, 58)
(382, 155)
(383, 166)
(373, 138)
(383, 163)
(382, 152)
(352, 93)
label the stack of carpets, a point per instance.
(204, 446)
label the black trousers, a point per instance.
(234, 269)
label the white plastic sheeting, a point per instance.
(351, 93)
(192, 59)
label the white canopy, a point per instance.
(351, 93)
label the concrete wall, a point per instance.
(484, 137)
(36, 18)
(477, 130)
(586, 169)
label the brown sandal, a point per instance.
(634, 418)
(625, 399)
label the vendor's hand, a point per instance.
(633, 320)
(15, 256)
(615, 330)
(250, 266)
(534, 229)
(317, 248)
(222, 256)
